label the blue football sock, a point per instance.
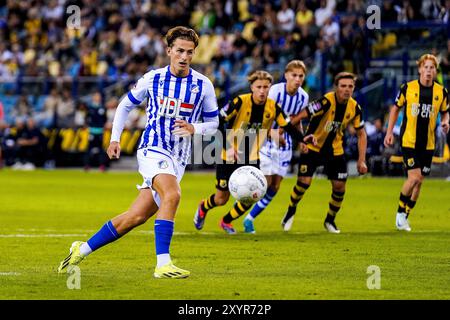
(105, 235)
(163, 236)
(263, 203)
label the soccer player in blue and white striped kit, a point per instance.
(178, 97)
(275, 159)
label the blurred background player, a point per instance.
(329, 116)
(276, 158)
(247, 114)
(177, 97)
(422, 100)
(95, 120)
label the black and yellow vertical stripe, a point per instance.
(328, 120)
(421, 108)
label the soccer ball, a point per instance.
(247, 184)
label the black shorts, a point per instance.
(224, 171)
(413, 159)
(335, 166)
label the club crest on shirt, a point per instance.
(303, 168)
(194, 88)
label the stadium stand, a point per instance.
(48, 69)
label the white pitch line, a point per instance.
(63, 235)
(9, 274)
(42, 235)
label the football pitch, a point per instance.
(43, 212)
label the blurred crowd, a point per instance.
(122, 39)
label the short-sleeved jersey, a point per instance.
(421, 108)
(243, 114)
(169, 98)
(328, 120)
(290, 105)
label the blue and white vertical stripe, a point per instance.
(190, 97)
(291, 105)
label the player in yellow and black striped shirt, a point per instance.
(329, 116)
(248, 113)
(422, 100)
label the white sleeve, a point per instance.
(210, 112)
(140, 90)
(209, 104)
(306, 102)
(134, 97)
(208, 126)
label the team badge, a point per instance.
(267, 115)
(194, 88)
(223, 183)
(410, 162)
(303, 168)
(436, 98)
(163, 164)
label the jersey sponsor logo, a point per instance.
(254, 127)
(313, 107)
(424, 110)
(173, 108)
(342, 175)
(332, 126)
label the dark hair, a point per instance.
(344, 75)
(183, 33)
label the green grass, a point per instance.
(43, 212)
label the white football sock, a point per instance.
(162, 259)
(85, 250)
